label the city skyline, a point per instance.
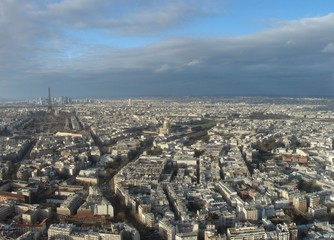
(168, 169)
(108, 49)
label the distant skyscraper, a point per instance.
(49, 102)
(130, 102)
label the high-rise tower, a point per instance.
(49, 102)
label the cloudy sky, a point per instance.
(130, 48)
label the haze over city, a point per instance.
(102, 48)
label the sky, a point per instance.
(138, 48)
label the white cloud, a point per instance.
(127, 17)
(194, 62)
(290, 43)
(162, 68)
(329, 48)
